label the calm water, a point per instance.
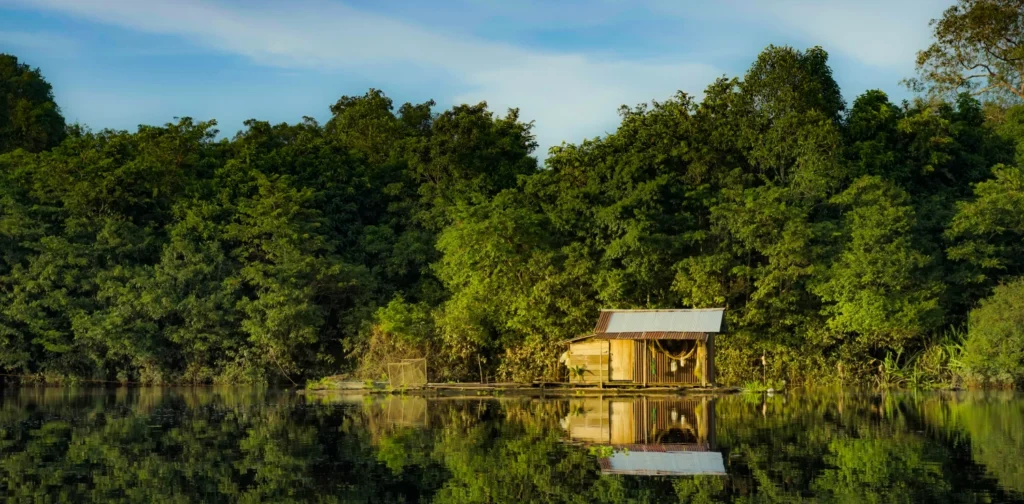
(209, 445)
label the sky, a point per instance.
(567, 65)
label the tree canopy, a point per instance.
(29, 118)
(836, 234)
(978, 47)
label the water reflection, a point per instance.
(238, 445)
(648, 436)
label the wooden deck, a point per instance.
(540, 389)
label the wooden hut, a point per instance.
(647, 347)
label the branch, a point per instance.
(992, 55)
(999, 84)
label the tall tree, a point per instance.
(29, 118)
(878, 292)
(978, 47)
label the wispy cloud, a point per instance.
(569, 95)
(879, 33)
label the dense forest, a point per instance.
(856, 241)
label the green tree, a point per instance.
(286, 266)
(979, 46)
(29, 117)
(995, 338)
(879, 288)
(988, 231)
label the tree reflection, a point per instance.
(233, 445)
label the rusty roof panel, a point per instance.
(652, 335)
(602, 321)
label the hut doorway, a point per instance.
(623, 357)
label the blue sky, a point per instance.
(566, 64)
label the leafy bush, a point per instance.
(995, 337)
(401, 330)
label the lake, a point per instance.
(250, 445)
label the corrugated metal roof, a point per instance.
(660, 335)
(664, 463)
(665, 321)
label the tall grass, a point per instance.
(938, 364)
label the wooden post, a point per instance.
(711, 360)
(605, 366)
(704, 374)
(764, 370)
(646, 363)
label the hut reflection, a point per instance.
(648, 435)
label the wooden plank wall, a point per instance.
(623, 360)
(592, 355)
(642, 369)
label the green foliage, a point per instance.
(165, 256)
(839, 238)
(939, 364)
(990, 227)
(411, 323)
(764, 386)
(995, 336)
(879, 288)
(29, 118)
(977, 47)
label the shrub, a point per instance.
(995, 337)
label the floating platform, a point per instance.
(540, 389)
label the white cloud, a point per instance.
(880, 33)
(875, 32)
(571, 96)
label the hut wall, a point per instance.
(593, 356)
(656, 367)
(650, 366)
